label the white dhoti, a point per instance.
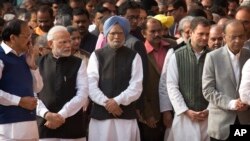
(113, 130)
(183, 129)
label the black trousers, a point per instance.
(152, 134)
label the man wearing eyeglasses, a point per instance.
(177, 9)
(220, 83)
(115, 83)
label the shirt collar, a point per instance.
(7, 49)
(232, 56)
(150, 48)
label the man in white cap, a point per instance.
(115, 83)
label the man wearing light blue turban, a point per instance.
(116, 20)
(115, 83)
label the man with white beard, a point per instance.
(115, 83)
(65, 91)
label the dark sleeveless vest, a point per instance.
(17, 80)
(59, 78)
(115, 68)
(190, 77)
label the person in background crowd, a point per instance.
(232, 7)
(99, 12)
(131, 11)
(243, 15)
(90, 5)
(81, 21)
(44, 20)
(177, 9)
(2, 22)
(75, 44)
(76, 4)
(215, 37)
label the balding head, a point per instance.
(235, 35)
(215, 37)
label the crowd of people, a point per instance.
(123, 70)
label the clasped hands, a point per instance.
(54, 120)
(241, 106)
(197, 115)
(113, 108)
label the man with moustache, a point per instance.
(157, 49)
(45, 20)
(215, 39)
(184, 85)
(65, 90)
(221, 80)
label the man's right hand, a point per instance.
(197, 116)
(28, 103)
(241, 106)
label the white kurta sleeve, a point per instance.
(165, 104)
(133, 92)
(174, 93)
(37, 80)
(41, 109)
(244, 89)
(81, 97)
(93, 78)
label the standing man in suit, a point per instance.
(220, 83)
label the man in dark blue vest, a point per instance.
(115, 83)
(19, 79)
(65, 91)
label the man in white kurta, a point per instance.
(16, 76)
(244, 89)
(65, 91)
(115, 82)
(184, 86)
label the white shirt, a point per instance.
(174, 93)
(18, 130)
(244, 89)
(165, 104)
(129, 95)
(80, 100)
(236, 68)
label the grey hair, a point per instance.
(41, 41)
(54, 30)
(183, 22)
